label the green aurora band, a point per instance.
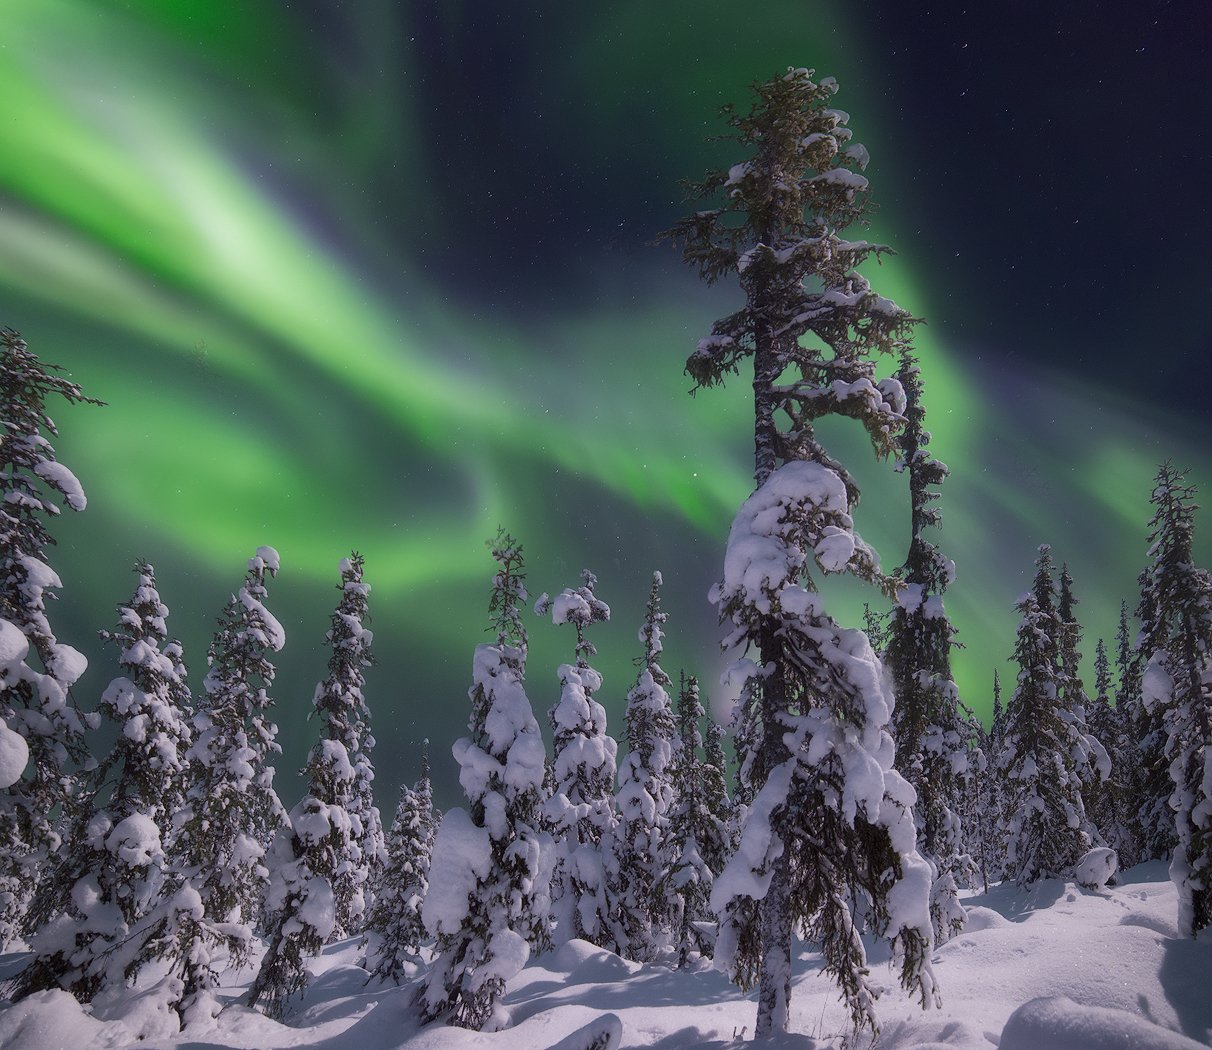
(186, 225)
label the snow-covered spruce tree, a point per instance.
(820, 841)
(717, 847)
(694, 833)
(973, 809)
(930, 725)
(154, 698)
(996, 794)
(1073, 699)
(1177, 689)
(1128, 771)
(91, 934)
(339, 770)
(645, 790)
(485, 924)
(1101, 793)
(986, 818)
(584, 885)
(396, 914)
(35, 705)
(231, 808)
(318, 872)
(1044, 751)
(1160, 582)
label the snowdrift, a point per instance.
(1056, 967)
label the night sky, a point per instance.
(381, 276)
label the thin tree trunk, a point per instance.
(774, 980)
(765, 434)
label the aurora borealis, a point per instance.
(379, 276)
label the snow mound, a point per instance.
(984, 919)
(570, 955)
(1057, 1023)
(144, 1015)
(602, 1033)
(1096, 867)
(586, 963)
(47, 1019)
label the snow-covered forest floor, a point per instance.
(1131, 982)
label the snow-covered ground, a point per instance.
(1109, 964)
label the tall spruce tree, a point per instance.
(1177, 688)
(929, 723)
(1044, 751)
(1128, 767)
(396, 915)
(112, 873)
(1074, 702)
(231, 809)
(318, 871)
(484, 940)
(1101, 793)
(584, 891)
(1157, 612)
(35, 705)
(339, 769)
(817, 845)
(645, 790)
